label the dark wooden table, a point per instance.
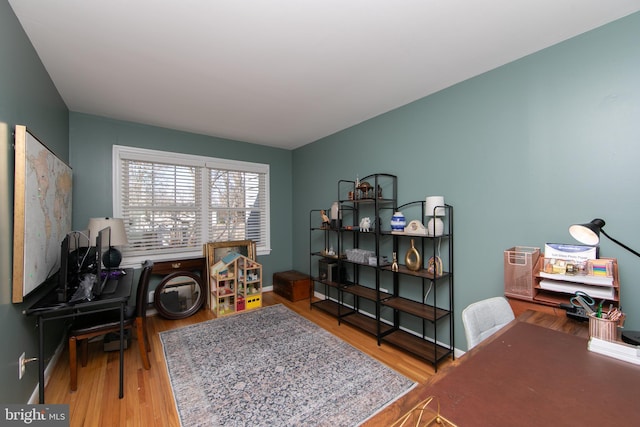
(535, 371)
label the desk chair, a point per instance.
(483, 318)
(86, 327)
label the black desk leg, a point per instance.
(41, 359)
(121, 395)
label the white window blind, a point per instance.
(236, 208)
(173, 203)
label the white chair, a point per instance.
(483, 318)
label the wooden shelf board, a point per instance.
(415, 308)
(320, 254)
(366, 264)
(328, 306)
(416, 345)
(366, 323)
(364, 292)
(361, 321)
(368, 200)
(326, 282)
(402, 269)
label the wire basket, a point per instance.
(359, 255)
(519, 263)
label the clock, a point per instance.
(415, 227)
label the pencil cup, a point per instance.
(604, 329)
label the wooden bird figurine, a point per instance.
(325, 219)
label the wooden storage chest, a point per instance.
(292, 285)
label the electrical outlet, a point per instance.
(22, 366)
(151, 294)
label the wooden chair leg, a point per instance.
(73, 364)
(84, 352)
(146, 334)
(142, 344)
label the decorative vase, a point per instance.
(336, 216)
(412, 259)
(398, 221)
(435, 227)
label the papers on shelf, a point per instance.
(606, 292)
(618, 350)
(580, 278)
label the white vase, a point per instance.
(435, 227)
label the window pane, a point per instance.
(236, 201)
(168, 207)
(161, 206)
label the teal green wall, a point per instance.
(27, 97)
(521, 152)
(91, 141)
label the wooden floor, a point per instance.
(148, 399)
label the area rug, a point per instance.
(272, 367)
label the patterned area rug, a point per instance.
(272, 367)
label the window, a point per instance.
(173, 203)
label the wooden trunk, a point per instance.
(292, 285)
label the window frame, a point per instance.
(121, 152)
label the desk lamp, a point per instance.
(589, 234)
(112, 257)
(434, 207)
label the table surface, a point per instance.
(527, 374)
(48, 305)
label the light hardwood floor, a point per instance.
(148, 400)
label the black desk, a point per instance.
(47, 309)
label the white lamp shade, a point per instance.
(588, 234)
(432, 203)
(118, 233)
(584, 235)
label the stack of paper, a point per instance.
(598, 292)
(581, 278)
(617, 350)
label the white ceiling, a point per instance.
(284, 73)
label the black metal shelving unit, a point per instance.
(434, 310)
(368, 294)
(361, 292)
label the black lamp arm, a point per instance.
(619, 243)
